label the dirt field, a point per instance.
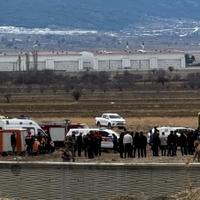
(136, 123)
(139, 104)
(142, 109)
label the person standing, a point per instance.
(90, 145)
(85, 144)
(127, 142)
(74, 141)
(137, 145)
(190, 143)
(29, 142)
(115, 143)
(121, 145)
(156, 143)
(163, 144)
(183, 144)
(68, 153)
(143, 145)
(170, 144)
(13, 142)
(79, 144)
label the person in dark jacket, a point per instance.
(172, 143)
(183, 144)
(121, 145)
(85, 145)
(79, 143)
(90, 145)
(29, 142)
(137, 145)
(155, 143)
(190, 142)
(97, 143)
(143, 144)
(115, 143)
(13, 141)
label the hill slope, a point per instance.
(93, 14)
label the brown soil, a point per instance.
(171, 103)
(136, 123)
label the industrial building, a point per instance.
(97, 61)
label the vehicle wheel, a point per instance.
(109, 125)
(98, 124)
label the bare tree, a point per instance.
(8, 97)
(162, 76)
(77, 94)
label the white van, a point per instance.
(22, 123)
(106, 134)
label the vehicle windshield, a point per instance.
(114, 116)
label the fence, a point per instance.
(91, 181)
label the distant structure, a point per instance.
(88, 61)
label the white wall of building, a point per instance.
(89, 61)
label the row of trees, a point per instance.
(91, 81)
(94, 80)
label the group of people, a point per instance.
(131, 145)
(89, 144)
(38, 144)
(34, 144)
(187, 140)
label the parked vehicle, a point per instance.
(110, 120)
(58, 130)
(106, 134)
(5, 144)
(33, 127)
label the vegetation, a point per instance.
(76, 94)
(157, 79)
(152, 93)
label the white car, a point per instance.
(110, 120)
(106, 134)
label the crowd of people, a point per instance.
(38, 144)
(89, 144)
(187, 141)
(131, 145)
(34, 144)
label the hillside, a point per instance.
(92, 14)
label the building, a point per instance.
(88, 61)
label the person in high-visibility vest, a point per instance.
(36, 146)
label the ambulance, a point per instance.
(28, 124)
(5, 144)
